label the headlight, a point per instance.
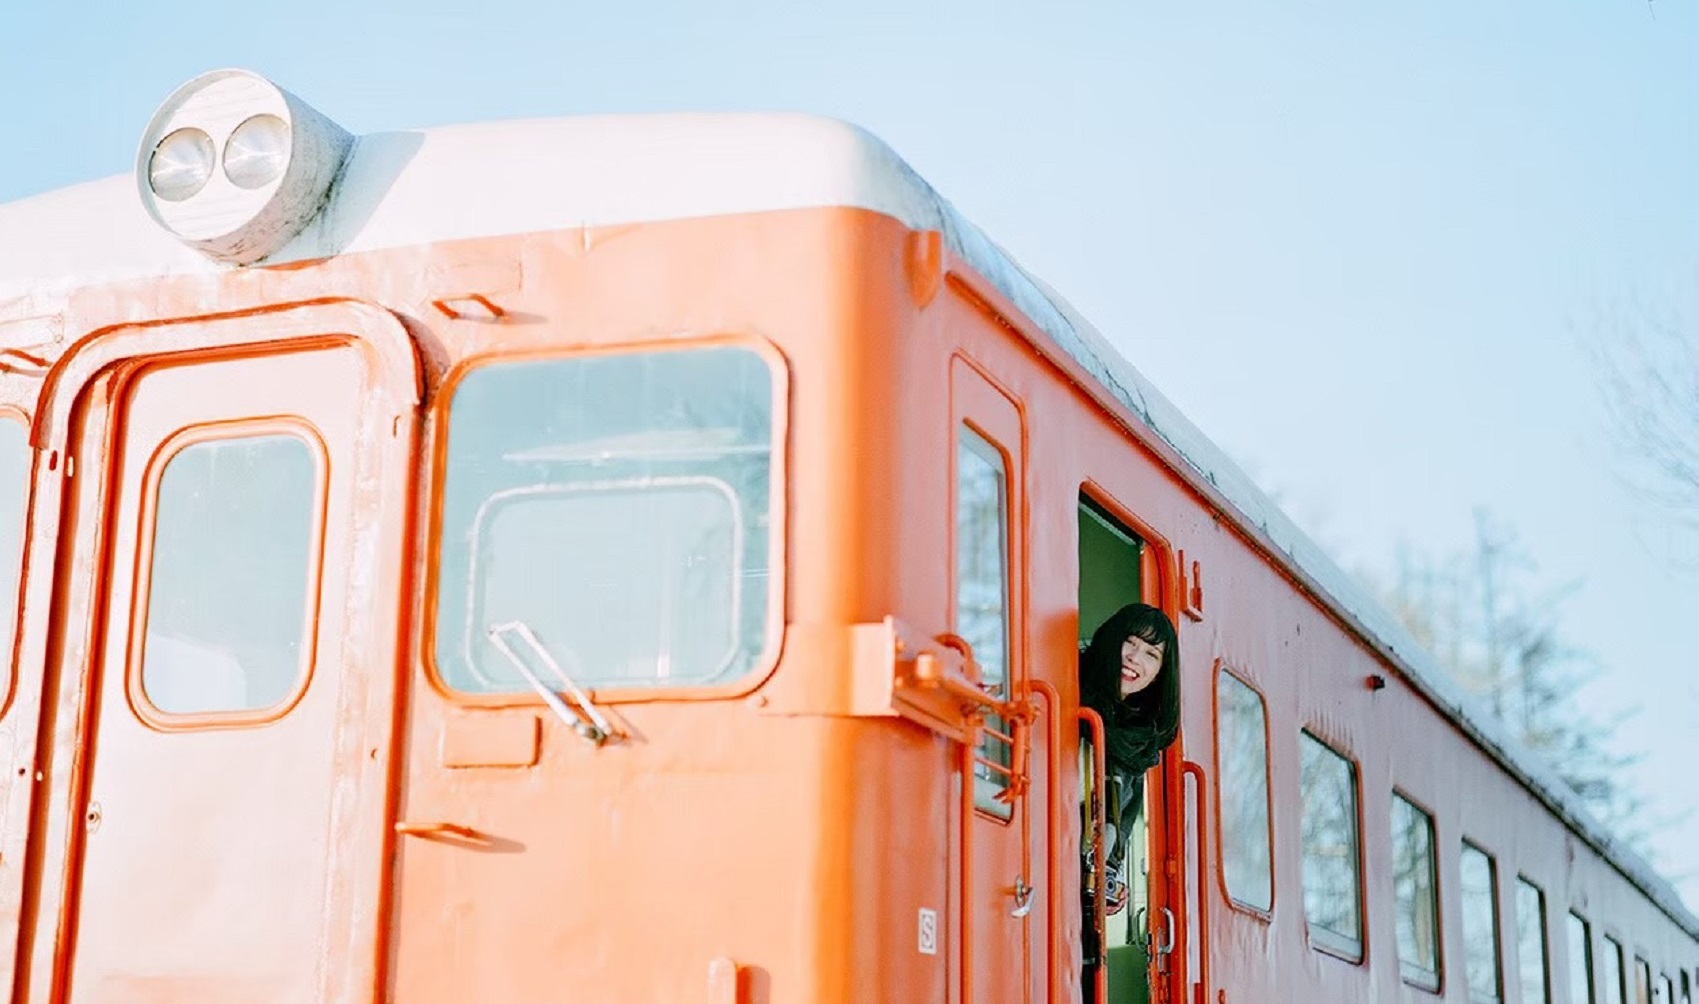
(180, 165)
(235, 166)
(257, 152)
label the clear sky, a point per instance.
(1362, 245)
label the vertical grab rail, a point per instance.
(966, 873)
(973, 702)
(1099, 864)
(1053, 829)
(1195, 772)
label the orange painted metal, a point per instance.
(805, 833)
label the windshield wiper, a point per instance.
(596, 730)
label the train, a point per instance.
(646, 558)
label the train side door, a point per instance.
(1143, 945)
(988, 544)
(223, 825)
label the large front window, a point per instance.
(607, 517)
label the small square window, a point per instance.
(1415, 893)
(1242, 748)
(1478, 882)
(982, 598)
(1580, 961)
(226, 627)
(16, 460)
(1332, 869)
(1531, 963)
(1616, 975)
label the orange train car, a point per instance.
(646, 559)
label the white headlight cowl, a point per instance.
(236, 166)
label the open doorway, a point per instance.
(1115, 570)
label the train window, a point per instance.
(15, 462)
(1686, 988)
(1580, 961)
(1332, 872)
(1642, 981)
(1616, 989)
(982, 592)
(228, 583)
(1416, 897)
(1666, 989)
(612, 511)
(1242, 765)
(1478, 890)
(1531, 943)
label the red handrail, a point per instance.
(1099, 864)
(966, 868)
(1196, 772)
(1053, 820)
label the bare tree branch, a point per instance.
(1648, 361)
(1480, 615)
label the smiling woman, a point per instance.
(1129, 675)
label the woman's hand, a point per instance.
(1115, 896)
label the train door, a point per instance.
(996, 824)
(1135, 944)
(228, 800)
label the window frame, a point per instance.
(982, 403)
(9, 681)
(147, 526)
(1266, 916)
(1615, 944)
(778, 514)
(990, 806)
(1588, 962)
(1522, 881)
(1327, 943)
(1438, 985)
(1497, 921)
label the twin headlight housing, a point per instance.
(236, 166)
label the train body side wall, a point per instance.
(720, 832)
(781, 823)
(1312, 672)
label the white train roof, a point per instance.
(444, 184)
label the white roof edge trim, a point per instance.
(399, 189)
(492, 179)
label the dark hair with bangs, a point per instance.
(1152, 714)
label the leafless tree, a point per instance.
(1648, 366)
(1480, 613)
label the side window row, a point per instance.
(1332, 883)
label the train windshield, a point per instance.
(617, 505)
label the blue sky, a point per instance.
(1363, 246)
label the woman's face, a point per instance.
(1140, 662)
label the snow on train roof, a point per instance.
(404, 188)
